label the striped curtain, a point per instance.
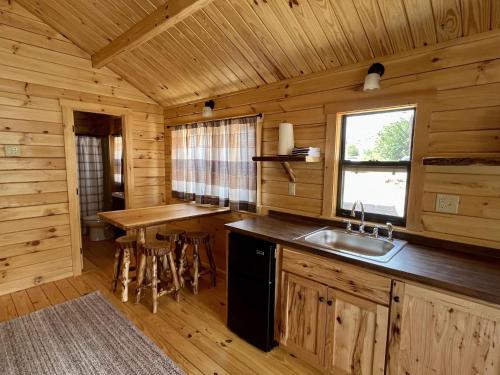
(212, 163)
(90, 175)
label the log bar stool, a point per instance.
(195, 239)
(125, 245)
(176, 239)
(156, 256)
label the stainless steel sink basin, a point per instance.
(379, 249)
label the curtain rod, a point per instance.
(215, 119)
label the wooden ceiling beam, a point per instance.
(166, 16)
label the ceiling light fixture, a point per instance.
(208, 109)
(372, 79)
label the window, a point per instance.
(212, 163)
(375, 161)
(118, 162)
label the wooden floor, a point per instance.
(191, 332)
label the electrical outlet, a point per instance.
(447, 203)
(291, 188)
(12, 150)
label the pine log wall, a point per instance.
(37, 68)
(464, 77)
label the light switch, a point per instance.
(447, 203)
(12, 150)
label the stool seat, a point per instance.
(156, 248)
(170, 235)
(197, 237)
(126, 240)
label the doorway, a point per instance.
(99, 172)
(101, 186)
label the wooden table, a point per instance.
(139, 219)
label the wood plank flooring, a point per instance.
(192, 332)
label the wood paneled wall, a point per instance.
(37, 68)
(464, 77)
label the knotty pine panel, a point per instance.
(464, 122)
(38, 67)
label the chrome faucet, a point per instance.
(353, 214)
(390, 228)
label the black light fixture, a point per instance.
(372, 79)
(208, 108)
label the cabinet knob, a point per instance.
(329, 302)
(321, 299)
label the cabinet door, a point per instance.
(303, 312)
(437, 333)
(356, 335)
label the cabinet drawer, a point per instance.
(339, 275)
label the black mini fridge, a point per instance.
(251, 289)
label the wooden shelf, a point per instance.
(457, 161)
(285, 159)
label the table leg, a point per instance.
(141, 236)
(141, 267)
(182, 264)
(175, 279)
(141, 263)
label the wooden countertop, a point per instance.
(150, 216)
(470, 275)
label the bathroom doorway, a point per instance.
(99, 172)
(101, 184)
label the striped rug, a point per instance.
(86, 335)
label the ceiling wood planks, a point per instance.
(421, 19)
(222, 46)
(476, 16)
(154, 24)
(447, 18)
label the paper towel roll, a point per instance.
(286, 143)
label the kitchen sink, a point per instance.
(380, 249)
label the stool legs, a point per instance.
(182, 264)
(196, 240)
(116, 268)
(175, 279)
(211, 260)
(124, 271)
(141, 270)
(154, 282)
(151, 272)
(196, 265)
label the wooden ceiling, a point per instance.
(230, 45)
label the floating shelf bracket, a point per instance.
(285, 160)
(289, 171)
(462, 161)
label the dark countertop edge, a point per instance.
(412, 238)
(377, 267)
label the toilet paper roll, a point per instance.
(286, 142)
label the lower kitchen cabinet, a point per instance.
(436, 333)
(356, 335)
(349, 321)
(336, 331)
(303, 317)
